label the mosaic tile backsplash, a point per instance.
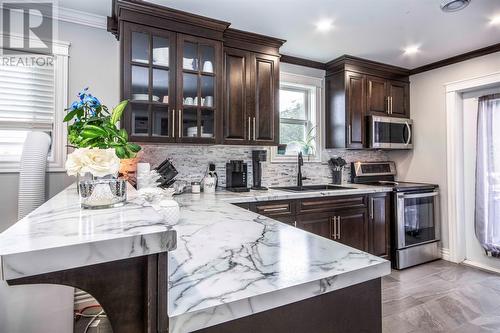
(192, 162)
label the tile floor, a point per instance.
(441, 297)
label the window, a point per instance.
(300, 103)
(33, 96)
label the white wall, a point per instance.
(93, 62)
(427, 162)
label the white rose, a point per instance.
(74, 162)
(99, 162)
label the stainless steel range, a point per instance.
(415, 213)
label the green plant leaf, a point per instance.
(86, 133)
(95, 129)
(123, 134)
(70, 115)
(118, 111)
(133, 147)
(121, 152)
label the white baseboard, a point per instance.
(445, 254)
(481, 266)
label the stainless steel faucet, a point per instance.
(300, 163)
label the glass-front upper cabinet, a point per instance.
(198, 74)
(148, 83)
(172, 83)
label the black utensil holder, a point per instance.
(337, 177)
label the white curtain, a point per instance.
(488, 174)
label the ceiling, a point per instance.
(374, 29)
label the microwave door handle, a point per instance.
(409, 133)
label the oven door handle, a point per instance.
(420, 195)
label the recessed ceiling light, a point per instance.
(324, 25)
(454, 5)
(412, 49)
(495, 20)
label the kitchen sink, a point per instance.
(311, 188)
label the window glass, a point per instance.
(297, 119)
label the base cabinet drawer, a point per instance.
(278, 208)
(319, 205)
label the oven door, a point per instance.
(390, 133)
(417, 219)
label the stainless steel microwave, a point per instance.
(390, 132)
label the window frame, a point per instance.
(313, 114)
(57, 156)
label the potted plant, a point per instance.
(99, 145)
(307, 145)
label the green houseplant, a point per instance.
(99, 145)
(94, 126)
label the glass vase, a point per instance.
(102, 192)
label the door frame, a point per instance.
(454, 161)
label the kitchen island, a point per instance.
(232, 269)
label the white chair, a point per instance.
(35, 308)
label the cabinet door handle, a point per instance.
(333, 227)
(253, 128)
(338, 230)
(173, 123)
(391, 104)
(388, 104)
(349, 133)
(295, 224)
(371, 208)
(249, 130)
(180, 123)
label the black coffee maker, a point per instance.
(236, 176)
(257, 157)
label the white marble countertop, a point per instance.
(60, 235)
(229, 262)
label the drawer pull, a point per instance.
(277, 209)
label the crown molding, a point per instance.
(73, 16)
(79, 17)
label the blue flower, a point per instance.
(82, 94)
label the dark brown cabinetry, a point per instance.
(283, 211)
(359, 221)
(399, 99)
(173, 83)
(251, 82)
(190, 79)
(356, 88)
(352, 228)
(343, 219)
(355, 110)
(236, 92)
(379, 225)
(377, 101)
